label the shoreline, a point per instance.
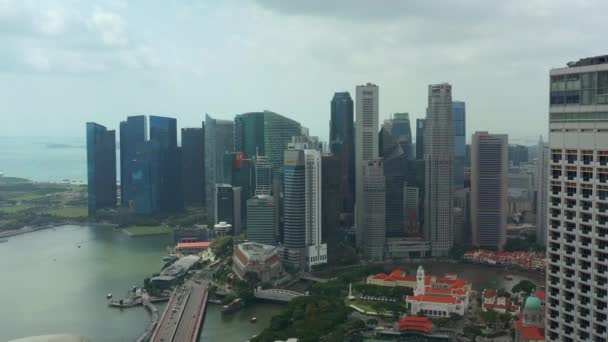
(27, 230)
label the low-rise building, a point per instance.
(530, 327)
(192, 247)
(263, 260)
(534, 261)
(491, 301)
(439, 297)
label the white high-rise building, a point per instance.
(577, 239)
(439, 170)
(374, 211)
(366, 144)
(542, 191)
(316, 250)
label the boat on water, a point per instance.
(109, 295)
(231, 307)
(253, 319)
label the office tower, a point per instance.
(342, 145)
(411, 209)
(395, 171)
(163, 136)
(401, 131)
(263, 176)
(316, 250)
(262, 220)
(228, 206)
(415, 178)
(193, 165)
(373, 207)
(366, 139)
(219, 139)
(332, 177)
(542, 191)
(266, 134)
(577, 242)
(243, 176)
(462, 200)
(420, 123)
(458, 226)
(459, 121)
(144, 184)
(133, 136)
(101, 167)
(518, 154)
(302, 209)
(439, 170)
(489, 187)
(305, 142)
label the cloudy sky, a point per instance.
(63, 63)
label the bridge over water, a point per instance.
(277, 294)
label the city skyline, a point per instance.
(104, 55)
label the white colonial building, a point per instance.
(439, 299)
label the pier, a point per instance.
(153, 311)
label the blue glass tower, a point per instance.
(420, 125)
(133, 136)
(101, 167)
(401, 131)
(342, 145)
(163, 138)
(459, 121)
(193, 165)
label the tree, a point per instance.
(222, 246)
(525, 286)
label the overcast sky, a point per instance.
(63, 63)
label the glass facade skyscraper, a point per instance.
(420, 123)
(163, 138)
(265, 133)
(133, 137)
(101, 167)
(395, 171)
(342, 145)
(193, 165)
(219, 139)
(401, 131)
(460, 151)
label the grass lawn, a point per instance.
(70, 212)
(147, 230)
(11, 209)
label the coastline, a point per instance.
(27, 229)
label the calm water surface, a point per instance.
(50, 286)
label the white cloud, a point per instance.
(111, 28)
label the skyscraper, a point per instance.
(342, 145)
(302, 215)
(439, 169)
(402, 133)
(420, 123)
(262, 220)
(489, 189)
(366, 138)
(101, 167)
(163, 136)
(518, 154)
(460, 152)
(373, 207)
(395, 171)
(133, 136)
(331, 199)
(228, 206)
(577, 243)
(193, 165)
(219, 139)
(265, 133)
(263, 176)
(542, 191)
(411, 209)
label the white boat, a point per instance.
(109, 295)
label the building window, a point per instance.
(602, 87)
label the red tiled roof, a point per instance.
(434, 299)
(533, 333)
(416, 323)
(193, 245)
(541, 295)
(489, 293)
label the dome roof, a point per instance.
(533, 302)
